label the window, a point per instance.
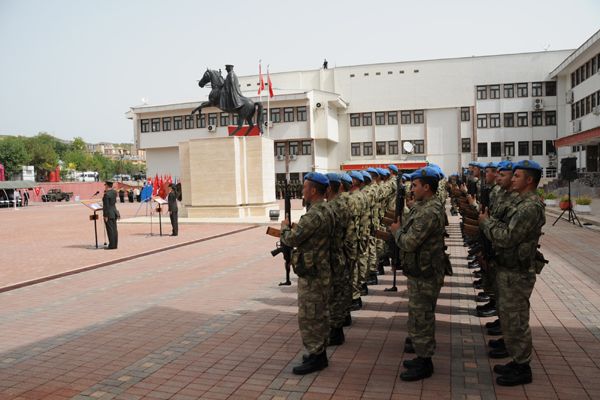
(224, 119)
(392, 118)
(166, 123)
(367, 119)
(293, 148)
(482, 120)
(509, 148)
(481, 92)
(393, 147)
(550, 172)
(419, 146)
(551, 88)
(494, 91)
(522, 119)
(177, 123)
(419, 117)
(355, 149)
(521, 90)
(550, 117)
(509, 120)
(496, 149)
(494, 120)
(509, 91)
(354, 119)
(145, 125)
(405, 117)
(301, 113)
(264, 115)
(155, 124)
(279, 148)
(379, 118)
(189, 122)
(288, 114)
(482, 149)
(200, 120)
(212, 119)
(466, 145)
(234, 119)
(550, 149)
(523, 148)
(275, 115)
(306, 148)
(536, 148)
(465, 114)
(367, 148)
(380, 147)
(536, 89)
(536, 118)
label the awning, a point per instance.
(589, 137)
(17, 185)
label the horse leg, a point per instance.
(240, 123)
(201, 106)
(250, 124)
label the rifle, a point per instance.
(282, 248)
(400, 194)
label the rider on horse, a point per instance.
(231, 95)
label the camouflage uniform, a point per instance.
(364, 237)
(310, 260)
(421, 242)
(515, 238)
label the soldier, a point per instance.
(361, 221)
(367, 257)
(173, 209)
(421, 243)
(110, 214)
(515, 238)
(310, 239)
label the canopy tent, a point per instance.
(7, 185)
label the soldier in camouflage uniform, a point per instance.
(375, 192)
(421, 243)
(515, 238)
(366, 258)
(310, 240)
(361, 222)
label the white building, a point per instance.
(452, 110)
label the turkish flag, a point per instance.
(37, 190)
(261, 81)
(270, 84)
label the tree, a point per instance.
(43, 156)
(78, 145)
(13, 154)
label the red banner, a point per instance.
(242, 132)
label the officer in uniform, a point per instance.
(421, 243)
(111, 215)
(361, 221)
(173, 209)
(515, 239)
(310, 239)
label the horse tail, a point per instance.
(258, 108)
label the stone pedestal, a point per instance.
(228, 177)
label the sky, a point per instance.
(75, 67)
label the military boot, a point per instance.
(482, 297)
(498, 353)
(520, 374)
(380, 270)
(408, 346)
(504, 369)
(372, 280)
(422, 368)
(496, 331)
(497, 343)
(348, 320)
(493, 324)
(336, 336)
(314, 362)
(356, 304)
(364, 290)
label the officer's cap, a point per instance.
(393, 168)
(109, 183)
(425, 172)
(357, 175)
(505, 166)
(527, 164)
(333, 177)
(317, 177)
(346, 178)
(367, 175)
(372, 170)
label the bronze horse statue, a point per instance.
(246, 112)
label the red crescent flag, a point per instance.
(270, 84)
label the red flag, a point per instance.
(155, 186)
(270, 84)
(261, 81)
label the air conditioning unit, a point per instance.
(211, 128)
(569, 97)
(538, 104)
(596, 110)
(293, 157)
(268, 124)
(280, 157)
(576, 126)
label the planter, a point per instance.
(564, 205)
(583, 209)
(551, 202)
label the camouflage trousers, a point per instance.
(359, 270)
(372, 256)
(488, 277)
(514, 290)
(422, 300)
(341, 294)
(313, 314)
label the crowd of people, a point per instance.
(340, 247)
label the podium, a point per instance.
(95, 207)
(159, 206)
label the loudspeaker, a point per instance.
(568, 168)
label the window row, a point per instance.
(538, 118)
(293, 147)
(358, 149)
(585, 106)
(387, 118)
(286, 114)
(507, 149)
(416, 71)
(508, 90)
(585, 71)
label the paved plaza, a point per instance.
(200, 316)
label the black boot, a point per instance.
(356, 304)
(498, 353)
(423, 368)
(336, 336)
(497, 343)
(380, 270)
(497, 331)
(481, 297)
(520, 374)
(411, 363)
(408, 346)
(314, 362)
(492, 324)
(504, 369)
(372, 280)
(348, 320)
(364, 290)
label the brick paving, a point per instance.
(208, 321)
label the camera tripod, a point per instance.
(571, 217)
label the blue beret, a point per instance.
(425, 172)
(366, 175)
(386, 171)
(373, 170)
(393, 168)
(491, 165)
(505, 166)
(473, 164)
(527, 164)
(357, 175)
(346, 178)
(333, 177)
(406, 177)
(317, 177)
(382, 171)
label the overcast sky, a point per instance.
(74, 67)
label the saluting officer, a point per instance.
(111, 215)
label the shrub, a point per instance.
(583, 200)
(551, 196)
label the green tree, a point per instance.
(13, 154)
(78, 145)
(41, 149)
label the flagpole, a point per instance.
(259, 91)
(268, 107)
